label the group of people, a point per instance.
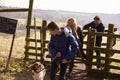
(67, 42)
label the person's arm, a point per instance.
(87, 25)
(52, 48)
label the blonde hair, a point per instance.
(73, 23)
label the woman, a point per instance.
(77, 32)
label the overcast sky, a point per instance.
(91, 6)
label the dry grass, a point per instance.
(17, 69)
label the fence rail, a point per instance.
(108, 51)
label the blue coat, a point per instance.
(66, 44)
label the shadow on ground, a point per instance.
(78, 73)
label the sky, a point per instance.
(90, 6)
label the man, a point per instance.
(96, 24)
(63, 48)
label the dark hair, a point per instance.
(97, 17)
(52, 26)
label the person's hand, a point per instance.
(58, 54)
(64, 61)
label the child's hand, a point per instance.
(64, 61)
(58, 54)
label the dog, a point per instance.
(38, 71)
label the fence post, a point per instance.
(109, 46)
(90, 45)
(28, 28)
(43, 37)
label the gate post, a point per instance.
(109, 46)
(28, 28)
(90, 45)
(43, 38)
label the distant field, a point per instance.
(18, 47)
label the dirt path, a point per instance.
(79, 73)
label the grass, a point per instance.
(17, 70)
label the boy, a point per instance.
(63, 48)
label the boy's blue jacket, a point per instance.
(64, 43)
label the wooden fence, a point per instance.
(29, 18)
(107, 51)
(42, 43)
(109, 61)
(30, 52)
(108, 64)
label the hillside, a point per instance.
(62, 16)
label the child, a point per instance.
(63, 48)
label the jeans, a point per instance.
(54, 69)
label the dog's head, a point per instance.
(37, 67)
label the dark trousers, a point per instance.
(82, 53)
(71, 65)
(98, 58)
(98, 44)
(54, 68)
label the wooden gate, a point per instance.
(109, 64)
(107, 51)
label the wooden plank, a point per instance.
(33, 54)
(104, 50)
(32, 47)
(115, 29)
(15, 10)
(98, 72)
(33, 40)
(46, 41)
(104, 65)
(33, 27)
(114, 67)
(111, 59)
(108, 35)
(45, 49)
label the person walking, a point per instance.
(77, 32)
(63, 47)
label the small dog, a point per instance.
(38, 71)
